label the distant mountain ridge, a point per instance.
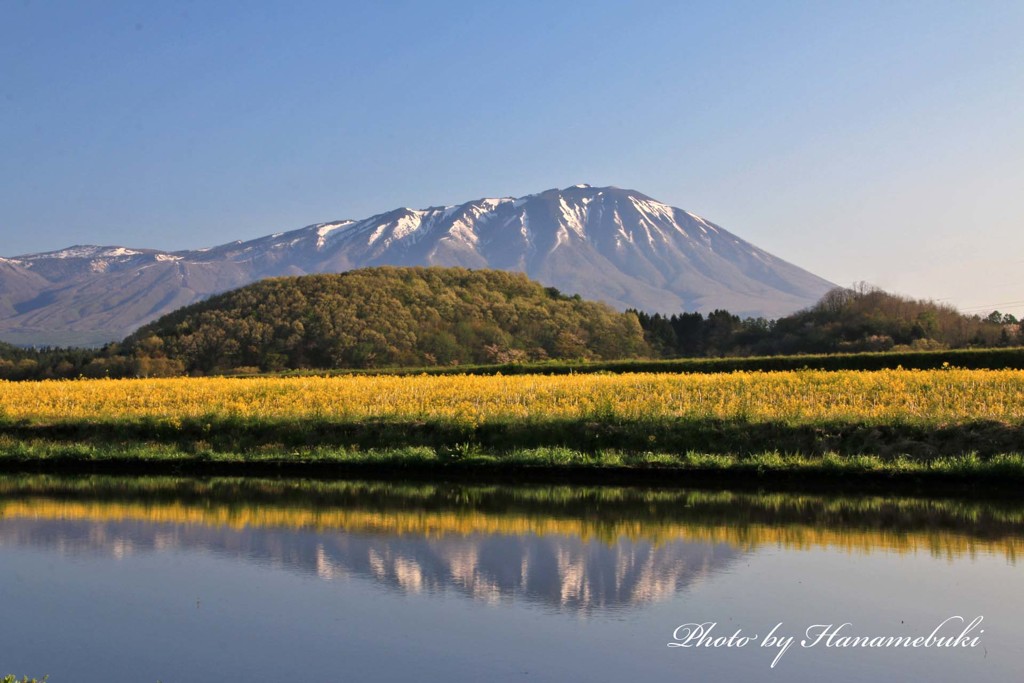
(605, 243)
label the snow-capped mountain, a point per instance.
(604, 243)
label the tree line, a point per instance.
(845, 320)
(423, 317)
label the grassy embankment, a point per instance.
(924, 426)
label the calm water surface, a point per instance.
(128, 579)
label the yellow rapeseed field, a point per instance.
(937, 396)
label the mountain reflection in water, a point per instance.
(565, 572)
(572, 549)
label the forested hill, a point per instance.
(381, 317)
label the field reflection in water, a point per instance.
(591, 552)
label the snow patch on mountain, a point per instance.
(575, 217)
(702, 224)
(325, 229)
(406, 225)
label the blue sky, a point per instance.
(863, 141)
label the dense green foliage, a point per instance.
(385, 317)
(456, 320)
(47, 363)
(862, 319)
